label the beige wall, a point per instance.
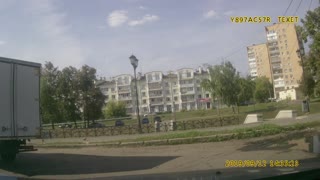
(261, 60)
(287, 40)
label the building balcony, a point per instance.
(185, 78)
(269, 34)
(157, 103)
(155, 95)
(155, 88)
(125, 98)
(187, 92)
(276, 67)
(188, 100)
(123, 84)
(123, 91)
(187, 85)
(276, 61)
(279, 85)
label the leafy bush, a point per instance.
(115, 110)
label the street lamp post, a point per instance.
(134, 63)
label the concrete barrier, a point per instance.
(253, 118)
(291, 114)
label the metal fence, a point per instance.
(146, 128)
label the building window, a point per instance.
(161, 108)
(157, 77)
(167, 92)
(287, 52)
(190, 82)
(291, 75)
(112, 89)
(174, 91)
(207, 95)
(168, 99)
(113, 97)
(143, 94)
(199, 96)
(144, 101)
(176, 98)
(188, 74)
(198, 89)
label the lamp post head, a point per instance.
(134, 61)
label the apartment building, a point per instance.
(282, 43)
(258, 58)
(158, 92)
(277, 59)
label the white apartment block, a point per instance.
(158, 92)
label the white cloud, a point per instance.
(146, 19)
(210, 14)
(55, 42)
(117, 18)
(142, 7)
(228, 13)
(2, 42)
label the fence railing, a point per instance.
(146, 128)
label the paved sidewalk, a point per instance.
(281, 122)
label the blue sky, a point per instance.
(163, 34)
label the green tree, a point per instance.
(115, 110)
(246, 89)
(68, 94)
(49, 96)
(91, 100)
(263, 89)
(307, 84)
(310, 32)
(223, 83)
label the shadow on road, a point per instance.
(276, 143)
(32, 164)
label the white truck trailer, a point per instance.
(19, 106)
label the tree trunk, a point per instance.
(52, 124)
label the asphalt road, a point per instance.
(200, 161)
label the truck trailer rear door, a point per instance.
(27, 100)
(6, 95)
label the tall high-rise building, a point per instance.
(259, 64)
(282, 42)
(278, 60)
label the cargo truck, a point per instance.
(19, 106)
